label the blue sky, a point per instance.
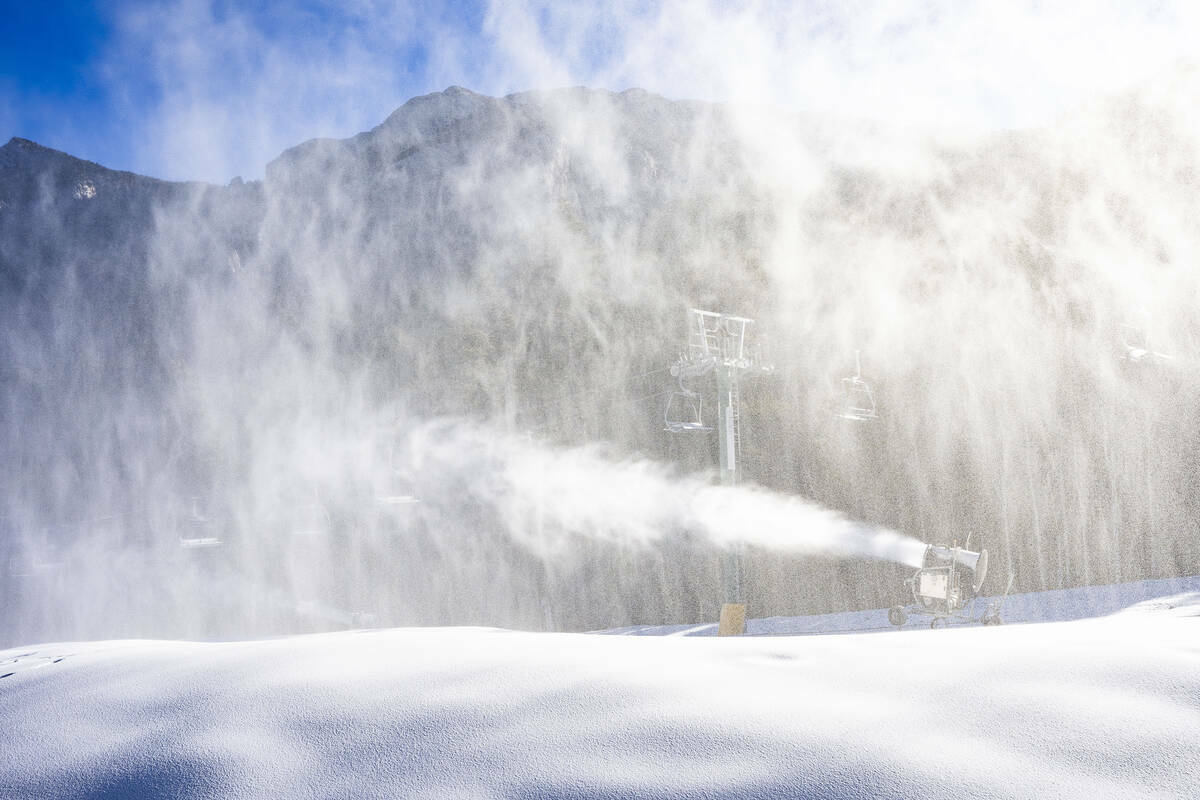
(45, 54)
(210, 89)
(89, 77)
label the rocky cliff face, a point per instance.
(268, 349)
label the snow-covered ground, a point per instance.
(1058, 605)
(1099, 707)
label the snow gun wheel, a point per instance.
(993, 619)
(896, 616)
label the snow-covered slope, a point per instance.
(1058, 605)
(1096, 708)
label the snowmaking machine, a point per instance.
(944, 586)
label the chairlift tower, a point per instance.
(720, 344)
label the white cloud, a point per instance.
(975, 64)
(232, 90)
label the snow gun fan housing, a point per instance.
(948, 580)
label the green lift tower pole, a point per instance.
(728, 442)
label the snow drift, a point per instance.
(1099, 708)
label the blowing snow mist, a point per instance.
(262, 364)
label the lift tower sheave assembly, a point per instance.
(720, 344)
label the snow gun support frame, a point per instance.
(948, 580)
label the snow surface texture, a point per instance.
(1098, 708)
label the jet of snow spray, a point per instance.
(546, 496)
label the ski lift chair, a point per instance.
(196, 530)
(684, 412)
(1136, 348)
(1133, 340)
(685, 408)
(858, 401)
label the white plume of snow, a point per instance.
(580, 491)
